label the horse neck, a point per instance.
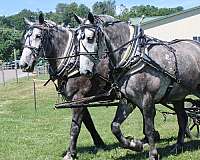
(103, 67)
(115, 39)
(57, 47)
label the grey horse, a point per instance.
(48, 40)
(157, 72)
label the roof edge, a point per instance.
(171, 17)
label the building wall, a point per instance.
(185, 28)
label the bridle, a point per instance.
(45, 37)
(98, 29)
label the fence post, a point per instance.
(15, 58)
(28, 75)
(34, 95)
(3, 78)
(45, 71)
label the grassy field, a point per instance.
(44, 135)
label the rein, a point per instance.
(72, 56)
(99, 29)
(45, 37)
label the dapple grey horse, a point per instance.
(48, 40)
(160, 66)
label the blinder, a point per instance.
(34, 50)
(96, 29)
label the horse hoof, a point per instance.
(98, 149)
(133, 144)
(153, 155)
(156, 136)
(136, 145)
(153, 158)
(68, 156)
(178, 148)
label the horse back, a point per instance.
(180, 58)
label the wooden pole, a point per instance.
(3, 78)
(15, 57)
(28, 75)
(34, 95)
(94, 104)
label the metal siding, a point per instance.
(185, 28)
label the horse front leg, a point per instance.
(77, 118)
(123, 111)
(155, 133)
(87, 120)
(182, 123)
(148, 111)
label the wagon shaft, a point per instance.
(94, 104)
(105, 99)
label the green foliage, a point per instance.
(17, 21)
(65, 12)
(9, 39)
(138, 11)
(106, 7)
(56, 17)
(60, 8)
(74, 8)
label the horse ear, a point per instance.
(41, 18)
(91, 17)
(78, 19)
(63, 24)
(27, 22)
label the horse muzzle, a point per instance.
(86, 73)
(27, 68)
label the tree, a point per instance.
(9, 39)
(106, 7)
(60, 7)
(17, 20)
(83, 10)
(149, 11)
(74, 8)
(56, 17)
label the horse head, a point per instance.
(90, 43)
(99, 36)
(50, 41)
(32, 44)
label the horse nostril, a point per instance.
(22, 66)
(88, 73)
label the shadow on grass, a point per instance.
(94, 150)
(163, 152)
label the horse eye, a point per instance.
(38, 36)
(90, 39)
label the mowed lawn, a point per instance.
(44, 135)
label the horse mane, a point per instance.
(106, 18)
(116, 38)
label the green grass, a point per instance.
(44, 135)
